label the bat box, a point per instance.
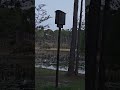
(60, 17)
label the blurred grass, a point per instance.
(45, 80)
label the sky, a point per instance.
(64, 5)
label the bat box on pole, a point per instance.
(60, 21)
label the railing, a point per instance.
(112, 80)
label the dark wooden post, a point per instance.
(102, 46)
(91, 38)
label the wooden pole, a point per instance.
(58, 51)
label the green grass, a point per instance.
(45, 80)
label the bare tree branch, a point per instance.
(41, 16)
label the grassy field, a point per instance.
(45, 80)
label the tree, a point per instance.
(73, 41)
(91, 38)
(41, 16)
(39, 35)
(78, 40)
(109, 43)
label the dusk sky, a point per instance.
(64, 5)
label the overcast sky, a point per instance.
(64, 5)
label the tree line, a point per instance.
(48, 38)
